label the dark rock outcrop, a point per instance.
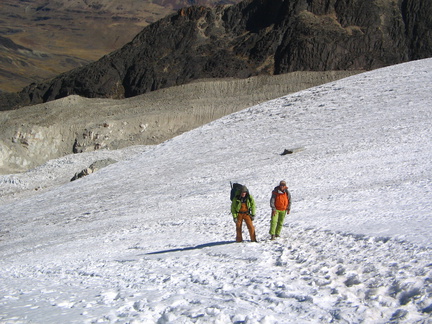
(95, 166)
(250, 38)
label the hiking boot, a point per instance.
(272, 238)
(277, 235)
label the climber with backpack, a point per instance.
(243, 209)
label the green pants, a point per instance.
(277, 221)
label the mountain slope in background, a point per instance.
(250, 38)
(33, 135)
(21, 65)
(62, 35)
(151, 240)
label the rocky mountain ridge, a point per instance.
(251, 38)
(62, 35)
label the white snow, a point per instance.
(150, 238)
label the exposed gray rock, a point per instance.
(32, 135)
(93, 168)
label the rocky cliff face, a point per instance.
(59, 35)
(251, 38)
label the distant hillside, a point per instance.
(21, 65)
(33, 135)
(251, 38)
(62, 35)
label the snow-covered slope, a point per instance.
(150, 239)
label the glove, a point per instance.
(252, 217)
(235, 219)
(273, 212)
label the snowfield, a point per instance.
(150, 239)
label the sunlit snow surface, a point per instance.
(150, 239)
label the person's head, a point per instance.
(244, 190)
(283, 185)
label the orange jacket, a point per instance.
(280, 200)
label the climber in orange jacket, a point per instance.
(280, 204)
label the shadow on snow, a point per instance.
(201, 246)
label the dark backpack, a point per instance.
(235, 187)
